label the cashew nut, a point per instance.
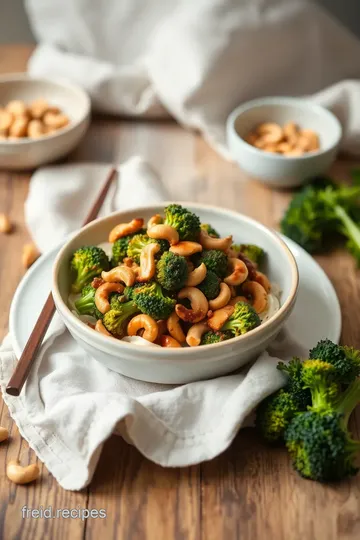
(154, 220)
(164, 232)
(4, 434)
(22, 475)
(174, 328)
(5, 224)
(162, 327)
(168, 341)
(16, 107)
(195, 333)
(99, 327)
(102, 295)
(270, 132)
(35, 129)
(29, 255)
(186, 249)
(311, 138)
(219, 317)
(120, 273)
(209, 242)
(237, 299)
(123, 229)
(147, 262)
(263, 280)
(199, 305)
(195, 277)
(222, 298)
(145, 322)
(257, 294)
(290, 131)
(6, 119)
(239, 272)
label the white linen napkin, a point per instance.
(71, 403)
(198, 60)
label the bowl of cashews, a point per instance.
(41, 120)
(283, 141)
(156, 307)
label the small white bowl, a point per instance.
(275, 169)
(71, 99)
(176, 366)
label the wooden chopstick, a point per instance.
(35, 340)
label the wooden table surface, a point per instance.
(249, 492)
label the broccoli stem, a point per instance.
(348, 401)
(351, 230)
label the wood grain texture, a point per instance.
(249, 492)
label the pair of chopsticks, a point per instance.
(35, 340)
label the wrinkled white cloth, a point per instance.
(198, 60)
(71, 403)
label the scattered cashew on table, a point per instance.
(14, 471)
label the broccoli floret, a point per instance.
(210, 286)
(346, 360)
(185, 222)
(214, 260)
(206, 227)
(255, 253)
(274, 414)
(295, 383)
(119, 250)
(85, 305)
(215, 337)
(314, 216)
(172, 271)
(319, 441)
(86, 263)
(243, 319)
(151, 300)
(321, 379)
(117, 300)
(115, 320)
(139, 241)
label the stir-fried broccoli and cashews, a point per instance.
(173, 282)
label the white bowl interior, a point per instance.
(306, 115)
(279, 265)
(72, 101)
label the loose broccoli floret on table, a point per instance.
(315, 216)
(243, 319)
(86, 263)
(295, 384)
(346, 360)
(151, 300)
(206, 227)
(185, 222)
(115, 320)
(215, 337)
(139, 241)
(274, 414)
(210, 286)
(85, 305)
(214, 260)
(172, 271)
(321, 379)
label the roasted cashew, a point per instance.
(311, 139)
(219, 317)
(143, 322)
(99, 327)
(168, 341)
(222, 298)
(154, 220)
(174, 328)
(270, 132)
(195, 333)
(239, 272)
(199, 305)
(120, 273)
(123, 229)
(291, 133)
(164, 232)
(195, 277)
(258, 295)
(190, 266)
(147, 262)
(237, 299)
(263, 280)
(209, 242)
(186, 249)
(4, 434)
(102, 295)
(22, 475)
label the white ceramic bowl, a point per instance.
(275, 169)
(175, 366)
(72, 100)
